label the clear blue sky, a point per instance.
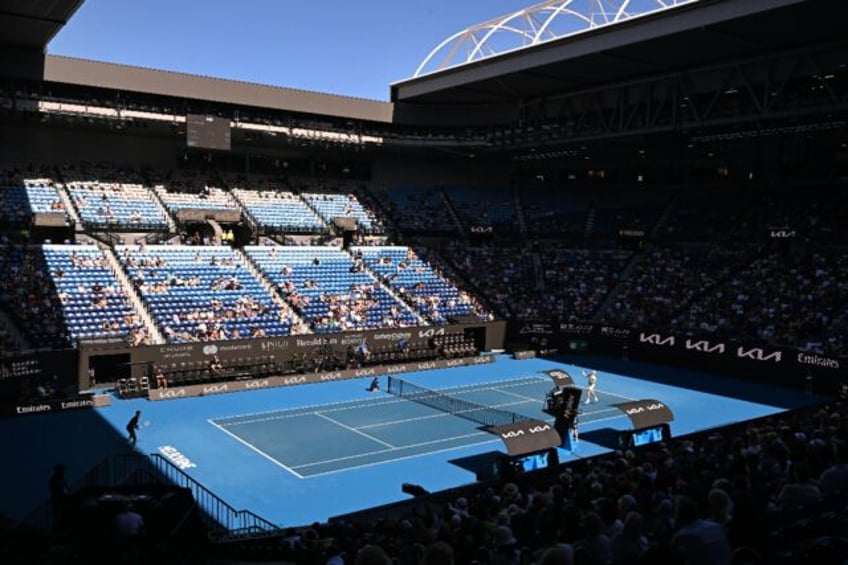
(350, 47)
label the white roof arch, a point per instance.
(530, 26)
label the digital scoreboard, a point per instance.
(208, 132)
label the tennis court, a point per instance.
(329, 438)
(299, 454)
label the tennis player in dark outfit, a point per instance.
(132, 426)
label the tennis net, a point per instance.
(478, 413)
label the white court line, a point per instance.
(305, 411)
(582, 424)
(404, 458)
(441, 414)
(379, 451)
(395, 400)
(587, 414)
(599, 391)
(526, 398)
(354, 430)
(257, 450)
(366, 402)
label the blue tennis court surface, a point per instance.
(321, 439)
(300, 454)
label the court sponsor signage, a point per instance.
(537, 328)
(431, 332)
(657, 339)
(334, 376)
(646, 412)
(527, 436)
(75, 403)
(257, 384)
(705, 346)
(291, 380)
(612, 331)
(168, 393)
(215, 389)
(817, 360)
(524, 354)
(174, 455)
(758, 354)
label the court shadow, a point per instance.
(484, 465)
(604, 437)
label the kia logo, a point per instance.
(172, 393)
(257, 384)
(215, 389)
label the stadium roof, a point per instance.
(83, 72)
(690, 35)
(33, 23)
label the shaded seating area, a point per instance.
(484, 206)
(20, 201)
(29, 296)
(94, 304)
(417, 208)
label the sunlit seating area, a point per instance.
(330, 289)
(114, 205)
(279, 211)
(203, 293)
(418, 283)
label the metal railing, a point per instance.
(223, 521)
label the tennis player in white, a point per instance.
(592, 378)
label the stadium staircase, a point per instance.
(623, 276)
(669, 210)
(538, 272)
(390, 291)
(157, 200)
(266, 282)
(519, 213)
(70, 208)
(590, 222)
(328, 228)
(454, 216)
(16, 339)
(156, 336)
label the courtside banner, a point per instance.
(75, 403)
(281, 350)
(205, 389)
(561, 378)
(527, 437)
(646, 413)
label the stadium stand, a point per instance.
(737, 234)
(115, 205)
(418, 283)
(330, 205)
(94, 303)
(203, 293)
(417, 208)
(331, 289)
(278, 211)
(483, 206)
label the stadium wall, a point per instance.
(62, 142)
(282, 350)
(774, 364)
(429, 170)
